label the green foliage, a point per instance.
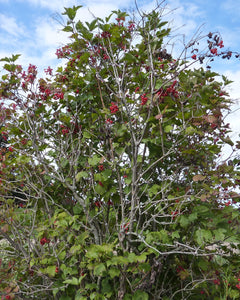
(111, 185)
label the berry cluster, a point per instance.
(144, 99)
(113, 108)
(44, 241)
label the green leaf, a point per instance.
(77, 209)
(73, 281)
(75, 249)
(234, 294)
(227, 140)
(176, 235)
(121, 130)
(106, 173)
(92, 25)
(219, 234)
(80, 297)
(190, 130)
(168, 128)
(71, 12)
(128, 180)
(193, 216)
(132, 257)
(130, 58)
(86, 135)
(92, 254)
(11, 59)
(161, 24)
(201, 209)
(99, 269)
(67, 29)
(220, 260)
(23, 159)
(113, 272)
(203, 264)
(140, 295)
(94, 161)
(203, 235)
(154, 190)
(80, 175)
(81, 278)
(184, 221)
(100, 189)
(64, 162)
(106, 286)
(84, 57)
(65, 298)
(62, 255)
(7, 59)
(50, 271)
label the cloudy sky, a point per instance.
(33, 28)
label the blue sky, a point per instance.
(31, 28)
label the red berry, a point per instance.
(101, 168)
(113, 108)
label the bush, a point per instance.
(115, 159)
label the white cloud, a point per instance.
(100, 10)
(52, 4)
(184, 16)
(234, 91)
(49, 33)
(234, 88)
(57, 5)
(10, 25)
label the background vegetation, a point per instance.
(112, 186)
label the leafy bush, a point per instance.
(111, 182)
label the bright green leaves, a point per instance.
(92, 25)
(121, 15)
(154, 190)
(85, 31)
(114, 272)
(99, 269)
(80, 175)
(64, 162)
(203, 236)
(140, 295)
(71, 12)
(129, 57)
(168, 128)
(156, 237)
(219, 234)
(95, 251)
(11, 59)
(67, 29)
(116, 157)
(94, 160)
(226, 80)
(74, 280)
(50, 270)
(185, 221)
(99, 188)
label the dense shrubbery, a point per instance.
(114, 162)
